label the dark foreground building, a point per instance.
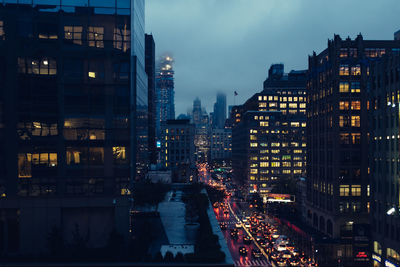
(73, 115)
(338, 187)
(385, 160)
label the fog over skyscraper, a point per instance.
(165, 105)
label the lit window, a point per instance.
(43, 66)
(302, 105)
(122, 36)
(275, 164)
(96, 36)
(73, 33)
(262, 105)
(283, 105)
(343, 52)
(355, 121)
(355, 105)
(297, 151)
(275, 151)
(253, 144)
(24, 165)
(92, 74)
(356, 70)
(119, 155)
(253, 171)
(344, 105)
(344, 70)
(264, 123)
(344, 190)
(2, 34)
(286, 164)
(260, 98)
(264, 164)
(253, 137)
(356, 190)
(355, 87)
(275, 144)
(343, 87)
(292, 105)
(295, 124)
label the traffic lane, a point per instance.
(233, 244)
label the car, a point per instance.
(274, 255)
(244, 220)
(238, 225)
(294, 261)
(256, 253)
(247, 225)
(243, 251)
(247, 240)
(295, 252)
(281, 261)
(263, 243)
(280, 247)
(223, 225)
(216, 205)
(286, 254)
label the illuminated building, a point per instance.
(177, 149)
(268, 133)
(74, 117)
(338, 186)
(165, 105)
(221, 144)
(385, 160)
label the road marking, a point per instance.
(247, 231)
(254, 263)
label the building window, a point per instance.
(344, 190)
(343, 52)
(355, 87)
(253, 144)
(355, 105)
(356, 190)
(344, 138)
(343, 87)
(344, 70)
(264, 123)
(374, 52)
(119, 155)
(344, 105)
(253, 171)
(25, 165)
(355, 121)
(356, 138)
(356, 70)
(122, 38)
(47, 31)
(292, 105)
(96, 36)
(44, 66)
(73, 34)
(2, 33)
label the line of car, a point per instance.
(278, 247)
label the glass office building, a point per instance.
(73, 118)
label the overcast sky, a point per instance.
(228, 45)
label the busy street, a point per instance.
(253, 237)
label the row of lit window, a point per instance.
(344, 87)
(353, 105)
(344, 190)
(345, 70)
(346, 121)
(283, 98)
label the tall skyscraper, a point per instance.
(165, 107)
(74, 114)
(385, 160)
(219, 111)
(150, 71)
(338, 145)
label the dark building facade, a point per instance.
(268, 132)
(385, 160)
(74, 113)
(338, 187)
(151, 72)
(219, 114)
(178, 150)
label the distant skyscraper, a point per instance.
(165, 105)
(150, 68)
(397, 35)
(220, 111)
(202, 130)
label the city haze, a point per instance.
(228, 45)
